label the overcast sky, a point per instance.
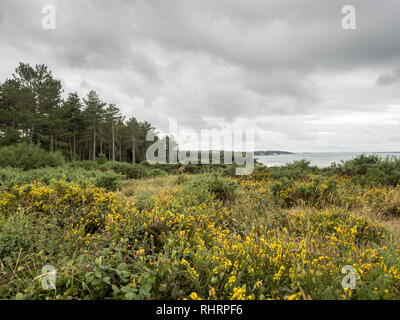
(284, 68)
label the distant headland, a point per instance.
(270, 152)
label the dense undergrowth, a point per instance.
(117, 231)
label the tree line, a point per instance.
(32, 110)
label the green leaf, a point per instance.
(115, 288)
(130, 296)
(121, 267)
(106, 280)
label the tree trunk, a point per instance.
(51, 143)
(120, 150)
(74, 144)
(31, 136)
(113, 142)
(133, 150)
(94, 141)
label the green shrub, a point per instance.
(29, 157)
(359, 165)
(101, 158)
(220, 187)
(315, 192)
(108, 180)
(281, 185)
(130, 171)
(69, 173)
(296, 170)
(155, 172)
(86, 164)
(144, 201)
(170, 168)
(192, 168)
(371, 170)
(12, 176)
(181, 179)
(60, 186)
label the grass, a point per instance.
(277, 234)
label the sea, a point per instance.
(319, 159)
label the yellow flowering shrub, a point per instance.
(276, 239)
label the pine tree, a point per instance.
(113, 115)
(94, 109)
(72, 113)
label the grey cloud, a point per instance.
(227, 59)
(388, 79)
(288, 33)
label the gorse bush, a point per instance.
(219, 187)
(136, 171)
(314, 191)
(371, 170)
(155, 172)
(108, 180)
(29, 157)
(105, 247)
(129, 171)
(359, 165)
(296, 170)
(15, 176)
(363, 170)
(85, 164)
(144, 169)
(198, 236)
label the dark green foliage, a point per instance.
(155, 172)
(101, 158)
(296, 170)
(108, 180)
(32, 110)
(214, 184)
(130, 171)
(363, 170)
(15, 176)
(359, 165)
(29, 157)
(371, 170)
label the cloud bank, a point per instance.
(284, 68)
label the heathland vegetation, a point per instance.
(129, 230)
(121, 231)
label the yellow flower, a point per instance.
(295, 296)
(194, 296)
(238, 294)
